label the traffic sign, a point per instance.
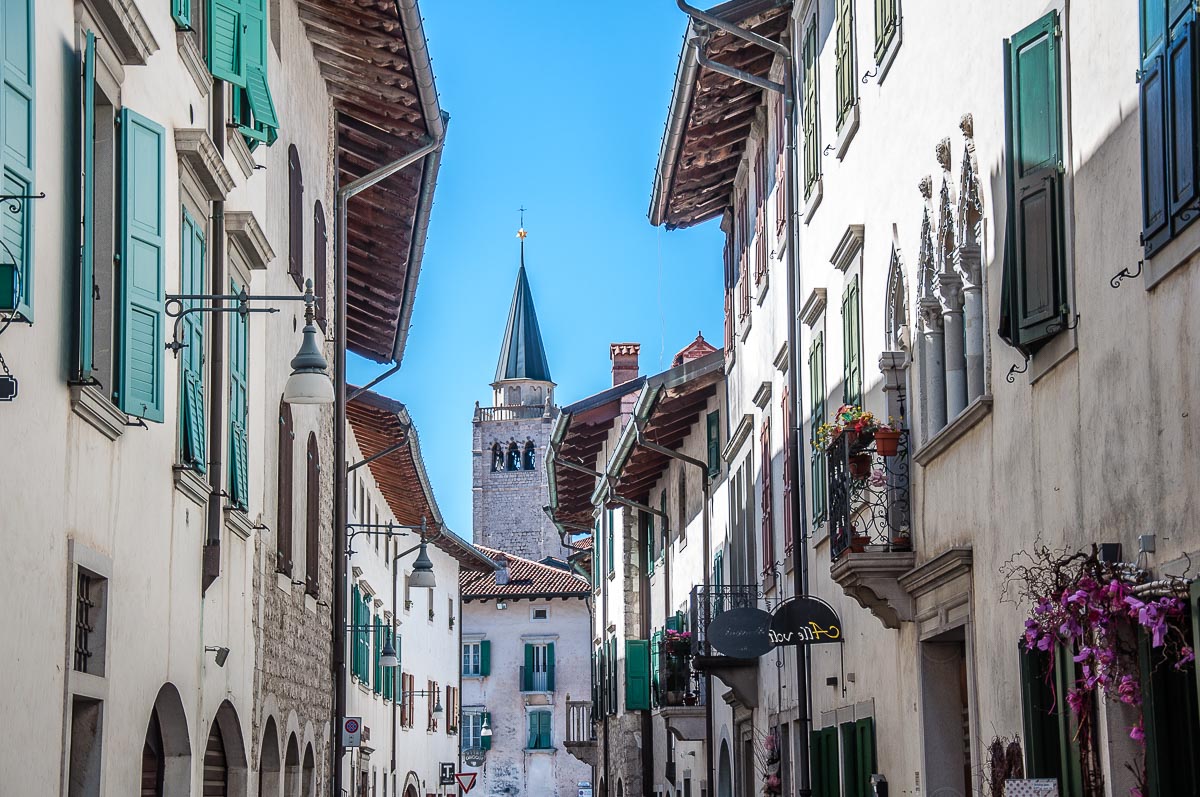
(352, 732)
(466, 781)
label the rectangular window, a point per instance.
(452, 709)
(91, 610)
(470, 658)
(17, 139)
(1168, 115)
(431, 698)
(789, 459)
(1034, 289)
(718, 581)
(816, 382)
(537, 673)
(760, 217)
(192, 426)
(887, 23)
(471, 730)
(851, 344)
(811, 110)
(768, 484)
(539, 730)
(844, 51)
(713, 430)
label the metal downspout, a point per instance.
(216, 368)
(798, 499)
(340, 511)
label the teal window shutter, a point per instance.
(650, 544)
(141, 266)
(254, 110)
(611, 559)
(550, 667)
(226, 41)
(718, 581)
(544, 731)
(851, 344)
(192, 426)
(887, 21)
(17, 155)
(181, 12)
(1033, 302)
(527, 672)
(239, 353)
(354, 620)
(846, 80)
(816, 382)
(713, 424)
(637, 675)
(485, 657)
(811, 109)
(378, 655)
(655, 667)
(85, 343)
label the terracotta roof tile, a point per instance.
(526, 579)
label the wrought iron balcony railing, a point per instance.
(719, 598)
(868, 494)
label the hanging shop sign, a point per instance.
(742, 633)
(447, 774)
(804, 621)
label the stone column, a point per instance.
(894, 367)
(950, 294)
(968, 263)
(933, 355)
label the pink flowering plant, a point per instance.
(1094, 609)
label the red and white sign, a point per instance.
(466, 781)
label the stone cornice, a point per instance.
(813, 307)
(130, 36)
(247, 233)
(850, 245)
(941, 569)
(197, 151)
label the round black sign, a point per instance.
(742, 633)
(804, 621)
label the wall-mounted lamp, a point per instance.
(222, 654)
(486, 731)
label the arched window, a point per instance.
(283, 520)
(320, 270)
(513, 461)
(528, 463)
(895, 325)
(312, 534)
(216, 768)
(295, 217)
(497, 457)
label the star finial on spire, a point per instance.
(521, 232)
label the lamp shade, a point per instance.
(486, 731)
(309, 382)
(422, 574)
(387, 656)
(437, 705)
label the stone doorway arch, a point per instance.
(167, 750)
(269, 761)
(225, 765)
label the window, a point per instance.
(497, 458)
(514, 457)
(389, 673)
(528, 463)
(91, 610)
(539, 730)
(537, 674)
(377, 661)
(283, 521)
(844, 52)
(119, 342)
(713, 430)
(780, 134)
(320, 263)
(851, 344)
(1168, 120)
(666, 524)
(611, 556)
(431, 688)
(452, 709)
(295, 217)
(745, 235)
(811, 111)
(407, 700)
(650, 554)
(17, 139)
(887, 24)
(471, 730)
(760, 217)
(192, 426)
(1033, 305)
(718, 581)
(816, 382)
(768, 484)
(683, 517)
(312, 519)
(789, 460)
(239, 407)
(539, 613)
(237, 54)
(477, 658)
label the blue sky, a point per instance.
(558, 107)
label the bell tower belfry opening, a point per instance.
(511, 437)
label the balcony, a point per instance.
(870, 532)
(516, 412)
(580, 738)
(537, 679)
(740, 675)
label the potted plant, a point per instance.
(678, 642)
(690, 698)
(860, 466)
(851, 422)
(858, 540)
(887, 439)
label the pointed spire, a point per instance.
(522, 355)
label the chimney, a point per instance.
(502, 573)
(624, 361)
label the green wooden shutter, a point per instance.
(1037, 284)
(612, 549)
(355, 603)
(226, 41)
(181, 12)
(1153, 100)
(1070, 769)
(846, 80)
(829, 761)
(655, 667)
(85, 343)
(885, 26)
(239, 353)
(718, 578)
(1037, 709)
(546, 738)
(141, 267)
(17, 155)
(192, 425)
(714, 443)
(864, 751)
(849, 740)
(812, 116)
(550, 667)
(816, 382)
(378, 655)
(527, 673)
(650, 544)
(485, 657)
(637, 675)
(485, 742)
(851, 344)
(1194, 599)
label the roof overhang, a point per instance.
(710, 115)
(379, 423)
(577, 438)
(375, 62)
(666, 413)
